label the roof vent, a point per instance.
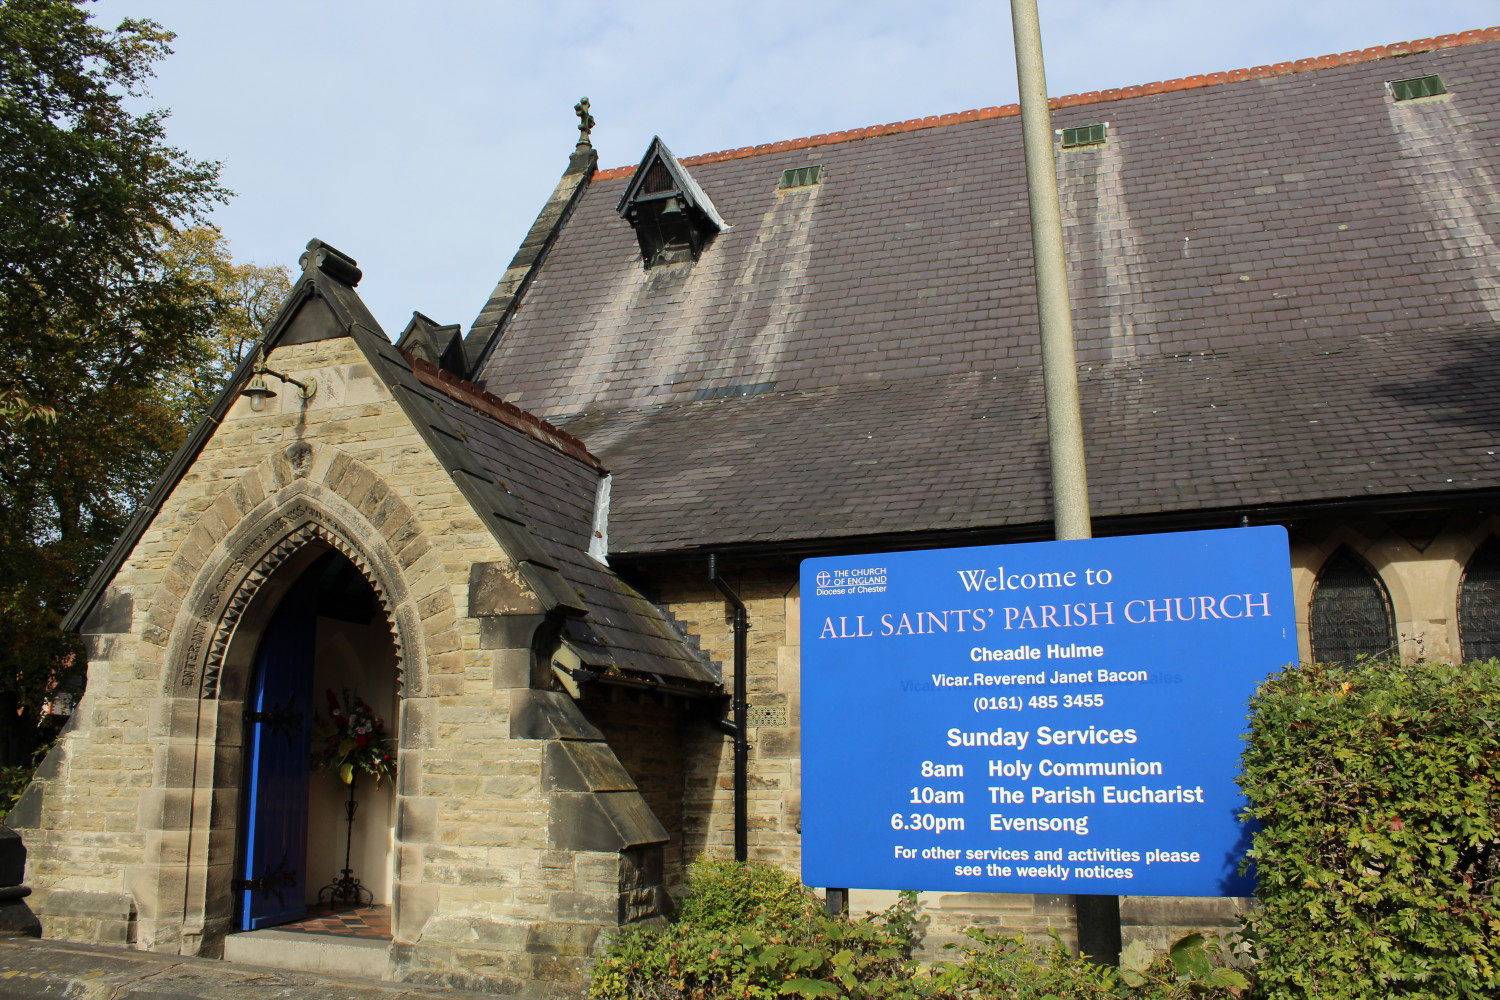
(1085, 135)
(799, 177)
(1421, 86)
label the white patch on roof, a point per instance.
(1100, 232)
(599, 532)
(1451, 181)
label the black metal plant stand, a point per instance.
(346, 889)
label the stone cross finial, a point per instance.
(585, 121)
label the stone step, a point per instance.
(302, 951)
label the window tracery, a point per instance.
(1479, 604)
(1351, 611)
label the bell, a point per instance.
(671, 207)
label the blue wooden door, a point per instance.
(272, 884)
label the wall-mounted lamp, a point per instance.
(259, 392)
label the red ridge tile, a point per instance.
(1474, 37)
(508, 414)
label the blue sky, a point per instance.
(423, 138)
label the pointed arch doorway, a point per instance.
(326, 635)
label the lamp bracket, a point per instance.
(306, 388)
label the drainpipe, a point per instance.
(740, 729)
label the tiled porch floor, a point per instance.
(373, 922)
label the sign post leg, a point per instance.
(1099, 928)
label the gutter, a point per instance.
(738, 728)
(1486, 498)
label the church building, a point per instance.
(547, 551)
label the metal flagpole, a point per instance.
(1098, 916)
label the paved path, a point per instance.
(60, 970)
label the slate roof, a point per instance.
(1286, 285)
(1357, 416)
(553, 485)
(533, 486)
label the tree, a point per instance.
(248, 296)
(99, 321)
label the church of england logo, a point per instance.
(869, 580)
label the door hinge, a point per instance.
(279, 717)
(283, 876)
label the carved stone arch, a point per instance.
(301, 539)
(254, 552)
(1382, 553)
(344, 504)
(310, 499)
(1469, 537)
(1309, 554)
(1447, 558)
(1460, 546)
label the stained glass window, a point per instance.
(1479, 604)
(1351, 611)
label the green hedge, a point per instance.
(752, 930)
(1377, 856)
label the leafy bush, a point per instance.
(728, 895)
(752, 930)
(998, 966)
(13, 781)
(15, 777)
(1375, 787)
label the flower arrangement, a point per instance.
(354, 741)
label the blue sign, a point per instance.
(1055, 717)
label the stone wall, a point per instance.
(647, 733)
(1419, 557)
(500, 881)
(774, 688)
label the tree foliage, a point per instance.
(115, 313)
(247, 297)
(1377, 787)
